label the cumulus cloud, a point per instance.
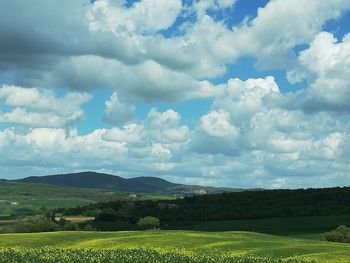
(244, 98)
(150, 145)
(117, 112)
(215, 134)
(281, 145)
(201, 7)
(218, 124)
(158, 127)
(279, 27)
(42, 147)
(142, 17)
(252, 135)
(326, 67)
(40, 107)
(148, 81)
(129, 40)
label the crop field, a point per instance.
(51, 255)
(168, 246)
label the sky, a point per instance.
(230, 93)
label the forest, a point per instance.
(225, 206)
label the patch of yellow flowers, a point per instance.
(60, 255)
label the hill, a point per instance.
(117, 183)
(229, 243)
(21, 198)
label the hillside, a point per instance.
(233, 243)
(25, 198)
(117, 183)
(21, 198)
(229, 206)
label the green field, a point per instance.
(23, 198)
(310, 227)
(26, 198)
(201, 243)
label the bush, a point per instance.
(148, 221)
(40, 225)
(62, 221)
(91, 212)
(107, 215)
(340, 234)
(71, 226)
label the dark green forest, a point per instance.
(225, 206)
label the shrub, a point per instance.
(340, 234)
(148, 221)
(107, 215)
(41, 225)
(71, 226)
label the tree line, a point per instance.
(226, 206)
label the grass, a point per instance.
(54, 255)
(29, 198)
(310, 227)
(201, 243)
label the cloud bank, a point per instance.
(251, 135)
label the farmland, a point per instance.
(310, 227)
(189, 233)
(26, 198)
(225, 244)
(50, 255)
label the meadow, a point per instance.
(309, 227)
(278, 239)
(18, 199)
(171, 246)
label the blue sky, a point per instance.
(214, 92)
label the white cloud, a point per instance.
(244, 98)
(146, 16)
(215, 134)
(157, 128)
(291, 149)
(218, 124)
(149, 81)
(116, 111)
(129, 134)
(159, 152)
(201, 7)
(150, 146)
(253, 135)
(327, 148)
(126, 41)
(326, 66)
(278, 28)
(58, 147)
(40, 107)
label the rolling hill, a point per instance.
(117, 183)
(20, 198)
(241, 244)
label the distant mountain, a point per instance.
(117, 183)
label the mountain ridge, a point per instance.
(145, 184)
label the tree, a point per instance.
(32, 224)
(62, 221)
(340, 234)
(148, 222)
(71, 226)
(107, 215)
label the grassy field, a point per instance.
(201, 243)
(310, 227)
(25, 198)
